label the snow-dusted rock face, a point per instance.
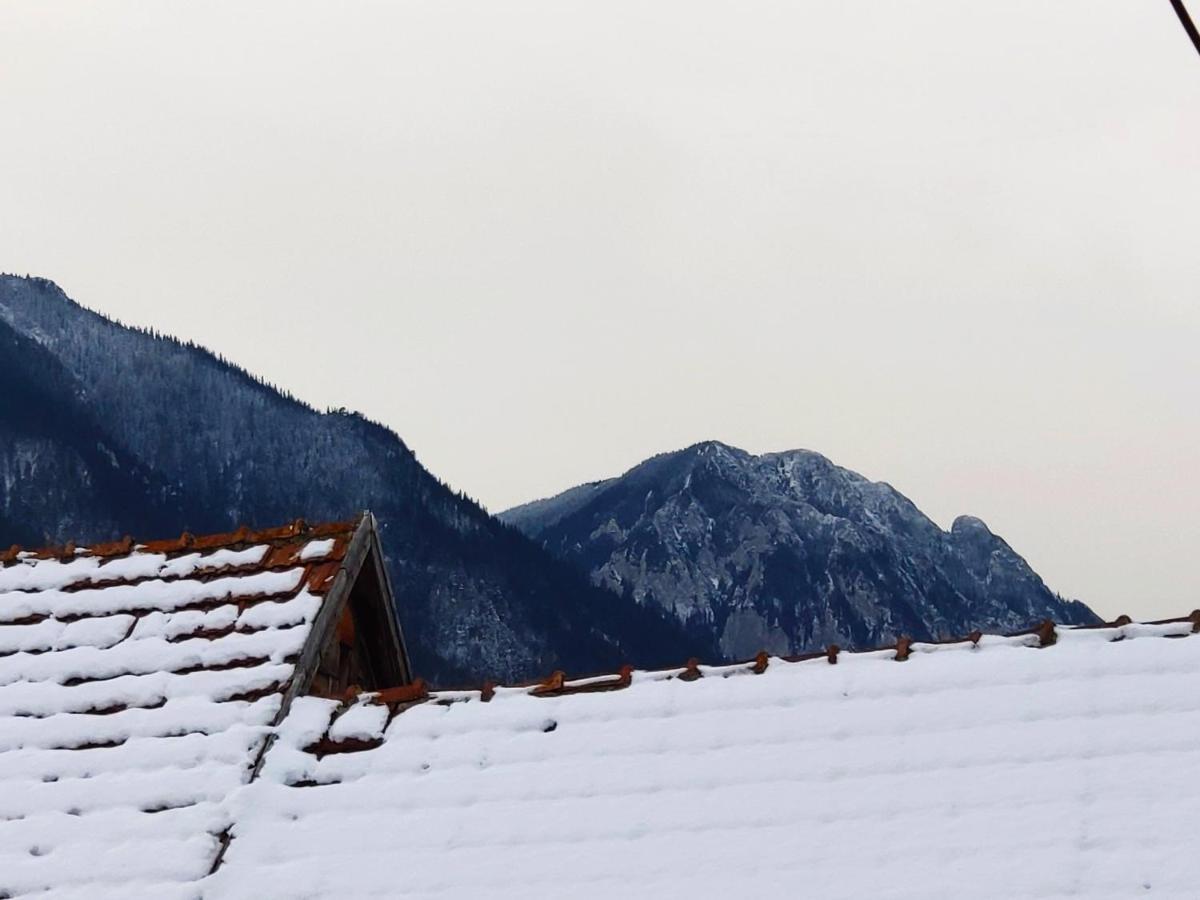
(788, 552)
(106, 431)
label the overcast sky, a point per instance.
(952, 245)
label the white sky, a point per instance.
(951, 245)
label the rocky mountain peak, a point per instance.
(970, 526)
(787, 551)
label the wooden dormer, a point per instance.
(362, 652)
(355, 644)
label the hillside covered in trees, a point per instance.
(107, 430)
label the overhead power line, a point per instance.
(1188, 25)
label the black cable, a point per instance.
(1188, 25)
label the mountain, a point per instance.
(788, 552)
(107, 430)
(55, 454)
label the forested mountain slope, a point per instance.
(106, 430)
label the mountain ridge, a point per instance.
(195, 442)
(788, 551)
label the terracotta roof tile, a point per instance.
(160, 666)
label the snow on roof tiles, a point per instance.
(137, 685)
(985, 768)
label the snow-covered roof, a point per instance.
(138, 683)
(1000, 767)
(159, 737)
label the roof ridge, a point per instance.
(186, 541)
(1045, 631)
(1044, 634)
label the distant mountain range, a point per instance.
(107, 430)
(787, 552)
(708, 552)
